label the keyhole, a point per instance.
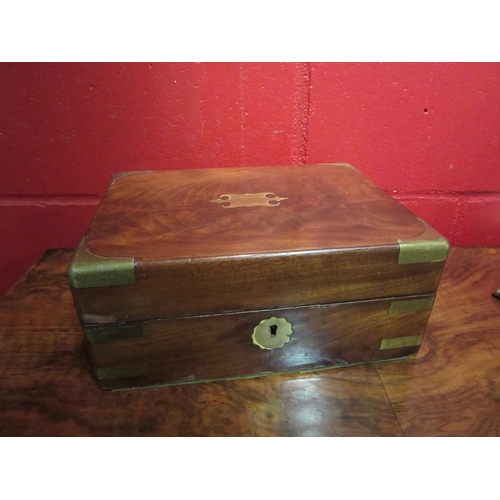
(273, 329)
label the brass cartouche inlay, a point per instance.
(249, 200)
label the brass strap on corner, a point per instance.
(98, 334)
(411, 341)
(88, 270)
(413, 252)
(403, 306)
(125, 371)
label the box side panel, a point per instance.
(217, 347)
(207, 286)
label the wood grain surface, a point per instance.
(333, 239)
(451, 388)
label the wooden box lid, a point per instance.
(193, 242)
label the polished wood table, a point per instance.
(451, 388)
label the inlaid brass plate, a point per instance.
(272, 333)
(401, 342)
(248, 200)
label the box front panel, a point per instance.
(256, 343)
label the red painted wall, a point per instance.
(427, 133)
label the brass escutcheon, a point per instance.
(248, 200)
(272, 333)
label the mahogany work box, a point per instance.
(199, 275)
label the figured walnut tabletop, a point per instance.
(451, 388)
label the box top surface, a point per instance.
(189, 214)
